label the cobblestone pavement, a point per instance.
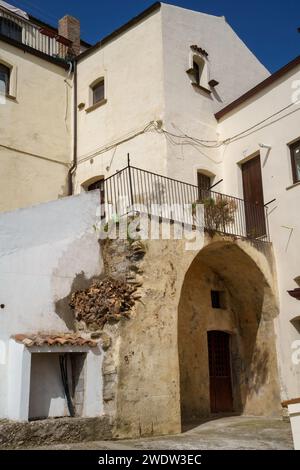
(230, 433)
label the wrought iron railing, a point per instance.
(168, 198)
(44, 40)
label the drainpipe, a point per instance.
(74, 165)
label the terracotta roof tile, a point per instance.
(62, 339)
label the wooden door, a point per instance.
(219, 372)
(254, 198)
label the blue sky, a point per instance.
(268, 27)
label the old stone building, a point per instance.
(177, 331)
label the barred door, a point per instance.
(219, 371)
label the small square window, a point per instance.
(98, 92)
(218, 299)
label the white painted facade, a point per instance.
(43, 250)
(146, 80)
(284, 220)
(150, 106)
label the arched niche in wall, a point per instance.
(199, 70)
(95, 182)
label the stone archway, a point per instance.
(245, 308)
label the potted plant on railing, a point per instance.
(219, 212)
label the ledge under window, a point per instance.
(96, 105)
(293, 185)
(9, 97)
(202, 88)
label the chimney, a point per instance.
(69, 27)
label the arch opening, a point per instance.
(237, 337)
(200, 71)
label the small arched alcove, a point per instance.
(200, 68)
(226, 339)
(96, 182)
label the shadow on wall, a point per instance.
(62, 306)
(248, 318)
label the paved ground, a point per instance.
(225, 433)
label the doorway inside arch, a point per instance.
(224, 290)
(220, 385)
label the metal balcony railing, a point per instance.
(147, 191)
(25, 32)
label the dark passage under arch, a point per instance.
(227, 352)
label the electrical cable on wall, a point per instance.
(63, 363)
(186, 139)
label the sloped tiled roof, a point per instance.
(63, 339)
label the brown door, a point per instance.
(219, 371)
(254, 198)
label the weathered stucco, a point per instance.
(283, 213)
(45, 252)
(248, 318)
(155, 370)
(35, 131)
(150, 60)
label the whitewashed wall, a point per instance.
(284, 213)
(133, 70)
(191, 111)
(146, 80)
(43, 249)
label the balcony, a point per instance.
(134, 190)
(18, 29)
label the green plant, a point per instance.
(219, 212)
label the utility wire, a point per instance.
(235, 137)
(113, 145)
(41, 12)
(185, 139)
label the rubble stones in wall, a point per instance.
(104, 301)
(14, 435)
(112, 298)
